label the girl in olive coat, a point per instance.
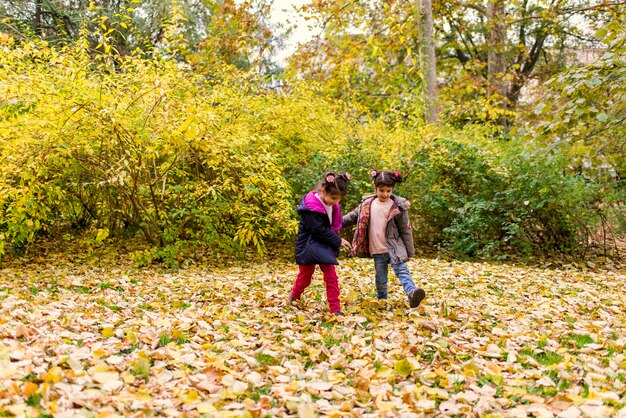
(383, 232)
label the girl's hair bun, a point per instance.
(335, 184)
(386, 178)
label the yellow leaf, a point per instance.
(470, 369)
(30, 389)
(384, 372)
(99, 368)
(107, 332)
(189, 397)
(191, 116)
(104, 377)
(129, 379)
(54, 375)
(514, 390)
(403, 367)
(142, 395)
(205, 408)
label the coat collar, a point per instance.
(311, 203)
(402, 203)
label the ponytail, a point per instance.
(335, 184)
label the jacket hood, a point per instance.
(402, 203)
(311, 203)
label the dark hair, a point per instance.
(335, 184)
(385, 178)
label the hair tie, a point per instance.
(347, 176)
(330, 178)
(373, 173)
(396, 174)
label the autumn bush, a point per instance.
(144, 147)
(512, 199)
(119, 147)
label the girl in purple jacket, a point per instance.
(317, 242)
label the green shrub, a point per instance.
(516, 200)
(446, 176)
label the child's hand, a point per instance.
(345, 243)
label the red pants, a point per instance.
(330, 279)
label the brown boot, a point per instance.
(416, 297)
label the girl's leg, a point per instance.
(404, 275)
(380, 265)
(305, 274)
(332, 287)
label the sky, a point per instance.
(282, 11)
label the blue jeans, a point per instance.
(381, 262)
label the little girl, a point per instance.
(384, 232)
(317, 242)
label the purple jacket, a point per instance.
(317, 241)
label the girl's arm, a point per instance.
(406, 232)
(351, 218)
(320, 231)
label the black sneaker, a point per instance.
(292, 301)
(339, 313)
(416, 297)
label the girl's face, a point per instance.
(329, 199)
(384, 193)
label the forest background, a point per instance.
(170, 124)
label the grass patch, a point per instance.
(30, 377)
(164, 339)
(104, 286)
(83, 290)
(141, 368)
(561, 384)
(266, 360)
(129, 349)
(545, 358)
(579, 340)
(542, 391)
(329, 341)
(257, 392)
(34, 400)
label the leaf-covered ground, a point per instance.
(105, 338)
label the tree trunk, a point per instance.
(430, 70)
(38, 20)
(496, 58)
